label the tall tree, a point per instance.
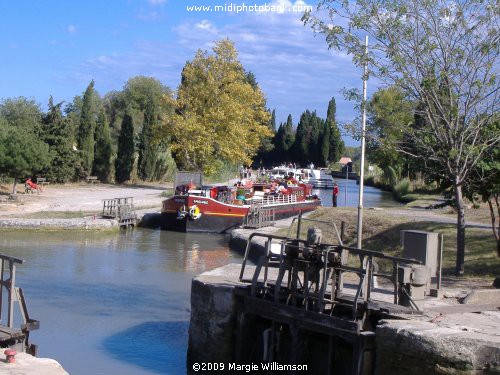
(315, 142)
(22, 113)
(388, 112)
(86, 129)
(283, 141)
(288, 137)
(220, 118)
(266, 149)
(57, 132)
(126, 149)
(147, 148)
(324, 144)
(336, 144)
(103, 149)
(303, 138)
(441, 54)
(483, 184)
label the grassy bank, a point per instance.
(382, 233)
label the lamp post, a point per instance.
(362, 172)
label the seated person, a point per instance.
(32, 185)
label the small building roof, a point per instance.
(344, 160)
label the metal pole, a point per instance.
(363, 130)
(346, 181)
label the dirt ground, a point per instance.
(78, 197)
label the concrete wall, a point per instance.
(423, 347)
(213, 316)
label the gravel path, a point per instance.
(81, 198)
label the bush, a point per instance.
(401, 189)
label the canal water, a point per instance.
(118, 303)
(113, 303)
(373, 197)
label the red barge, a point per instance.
(217, 209)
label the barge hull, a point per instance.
(212, 221)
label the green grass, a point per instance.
(382, 233)
(419, 200)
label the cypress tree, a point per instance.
(314, 146)
(147, 150)
(103, 150)
(325, 144)
(302, 138)
(288, 138)
(87, 128)
(125, 156)
(272, 122)
(336, 143)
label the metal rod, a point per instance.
(346, 181)
(10, 317)
(441, 241)
(1, 289)
(362, 168)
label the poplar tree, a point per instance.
(125, 155)
(220, 117)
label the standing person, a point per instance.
(334, 194)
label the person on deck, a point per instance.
(335, 193)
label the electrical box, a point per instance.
(425, 247)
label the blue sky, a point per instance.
(56, 48)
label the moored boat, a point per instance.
(319, 178)
(219, 208)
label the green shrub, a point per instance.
(401, 189)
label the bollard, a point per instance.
(10, 353)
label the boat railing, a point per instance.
(279, 199)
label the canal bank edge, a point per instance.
(82, 224)
(413, 346)
(144, 219)
(27, 364)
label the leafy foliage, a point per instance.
(22, 153)
(220, 117)
(442, 55)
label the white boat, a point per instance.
(319, 178)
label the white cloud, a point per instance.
(294, 67)
(207, 26)
(71, 29)
(157, 2)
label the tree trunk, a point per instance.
(14, 191)
(459, 268)
(494, 219)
